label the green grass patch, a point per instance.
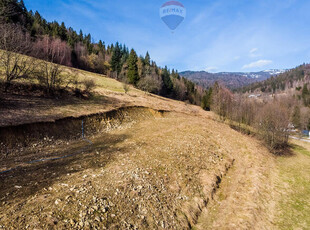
(294, 205)
(301, 150)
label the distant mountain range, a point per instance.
(295, 78)
(231, 80)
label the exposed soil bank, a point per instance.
(194, 208)
(15, 138)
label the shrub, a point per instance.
(126, 87)
(89, 85)
(272, 124)
(150, 83)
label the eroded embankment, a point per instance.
(14, 139)
(194, 209)
(156, 174)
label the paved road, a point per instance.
(296, 138)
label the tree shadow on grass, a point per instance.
(25, 181)
(300, 149)
(286, 151)
(17, 109)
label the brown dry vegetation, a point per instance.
(108, 94)
(175, 170)
(158, 173)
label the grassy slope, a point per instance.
(244, 199)
(263, 192)
(108, 94)
(174, 159)
(294, 184)
(150, 173)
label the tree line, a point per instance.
(271, 118)
(61, 45)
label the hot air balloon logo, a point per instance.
(173, 14)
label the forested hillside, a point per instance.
(55, 42)
(277, 106)
(207, 80)
(294, 78)
(231, 80)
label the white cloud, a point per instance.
(253, 53)
(253, 50)
(211, 69)
(257, 64)
(200, 17)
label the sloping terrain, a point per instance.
(293, 186)
(109, 94)
(160, 172)
(145, 162)
(246, 198)
(263, 192)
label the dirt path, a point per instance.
(245, 198)
(263, 192)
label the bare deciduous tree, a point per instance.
(14, 43)
(54, 54)
(150, 83)
(272, 124)
(179, 88)
(49, 75)
(52, 50)
(222, 101)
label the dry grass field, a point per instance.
(178, 169)
(108, 94)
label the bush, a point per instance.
(126, 87)
(151, 84)
(89, 85)
(272, 124)
(50, 76)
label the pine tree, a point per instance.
(88, 43)
(116, 58)
(22, 6)
(55, 29)
(37, 17)
(72, 37)
(216, 87)
(167, 83)
(101, 45)
(81, 36)
(124, 54)
(305, 95)
(63, 32)
(147, 59)
(10, 11)
(132, 75)
(206, 100)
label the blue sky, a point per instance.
(216, 35)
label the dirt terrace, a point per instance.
(157, 173)
(33, 107)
